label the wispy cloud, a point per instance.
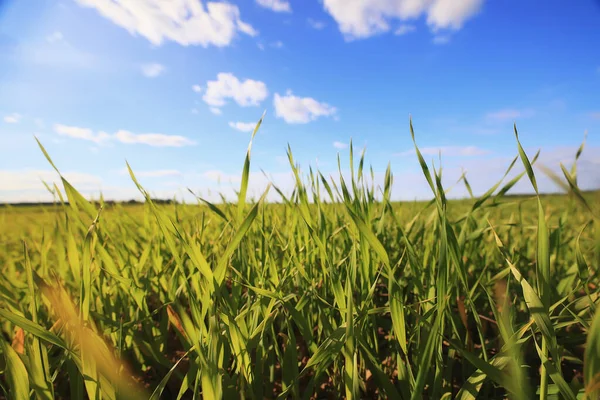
(277, 44)
(404, 29)
(448, 151)
(55, 37)
(152, 70)
(509, 114)
(441, 39)
(220, 176)
(76, 132)
(216, 111)
(275, 5)
(31, 179)
(159, 173)
(13, 118)
(123, 136)
(152, 139)
(197, 88)
(484, 131)
(300, 110)
(60, 54)
(39, 123)
(340, 145)
(243, 126)
(315, 24)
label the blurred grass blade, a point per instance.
(16, 374)
(591, 364)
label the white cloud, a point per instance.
(277, 44)
(81, 133)
(54, 37)
(13, 118)
(451, 14)
(340, 145)
(123, 136)
(187, 22)
(404, 29)
(275, 5)
(152, 70)
(197, 88)
(448, 151)
(300, 110)
(441, 39)
(227, 86)
(509, 114)
(215, 110)
(152, 139)
(364, 18)
(243, 126)
(318, 25)
(247, 29)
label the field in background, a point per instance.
(484, 298)
(18, 222)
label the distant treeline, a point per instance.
(171, 201)
(106, 202)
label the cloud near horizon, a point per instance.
(448, 151)
(123, 136)
(211, 183)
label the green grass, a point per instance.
(359, 297)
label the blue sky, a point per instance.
(175, 89)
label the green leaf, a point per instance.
(526, 162)
(591, 362)
(163, 382)
(39, 369)
(33, 328)
(246, 172)
(221, 268)
(370, 236)
(16, 374)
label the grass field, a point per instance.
(490, 297)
